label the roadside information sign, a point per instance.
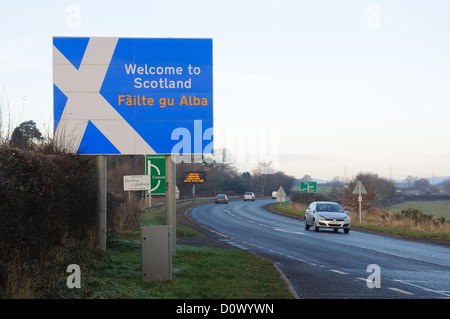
(133, 95)
(155, 167)
(359, 189)
(194, 177)
(136, 182)
(281, 195)
(308, 187)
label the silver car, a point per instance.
(327, 215)
(249, 196)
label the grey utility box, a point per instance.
(156, 253)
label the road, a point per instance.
(327, 264)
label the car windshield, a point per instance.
(222, 196)
(248, 193)
(329, 208)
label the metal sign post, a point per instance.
(171, 213)
(101, 201)
(359, 190)
(359, 209)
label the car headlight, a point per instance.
(320, 217)
(346, 219)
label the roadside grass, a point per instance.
(382, 222)
(285, 208)
(198, 272)
(157, 216)
(438, 208)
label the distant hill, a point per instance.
(320, 181)
(433, 180)
(437, 179)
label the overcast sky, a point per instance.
(325, 88)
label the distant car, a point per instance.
(249, 196)
(221, 198)
(327, 215)
(274, 194)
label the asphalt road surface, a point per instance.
(328, 264)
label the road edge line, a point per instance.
(286, 280)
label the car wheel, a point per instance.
(316, 229)
(347, 230)
(306, 225)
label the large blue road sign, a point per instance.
(133, 95)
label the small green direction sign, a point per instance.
(155, 166)
(308, 187)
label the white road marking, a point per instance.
(339, 272)
(401, 291)
(263, 225)
(443, 293)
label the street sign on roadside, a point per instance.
(308, 187)
(133, 95)
(117, 96)
(194, 177)
(359, 190)
(281, 195)
(136, 182)
(155, 166)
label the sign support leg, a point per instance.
(171, 199)
(101, 168)
(359, 201)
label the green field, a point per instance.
(437, 208)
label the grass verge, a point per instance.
(198, 272)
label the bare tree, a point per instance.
(410, 180)
(421, 184)
(260, 174)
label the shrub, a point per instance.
(308, 198)
(415, 214)
(46, 199)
